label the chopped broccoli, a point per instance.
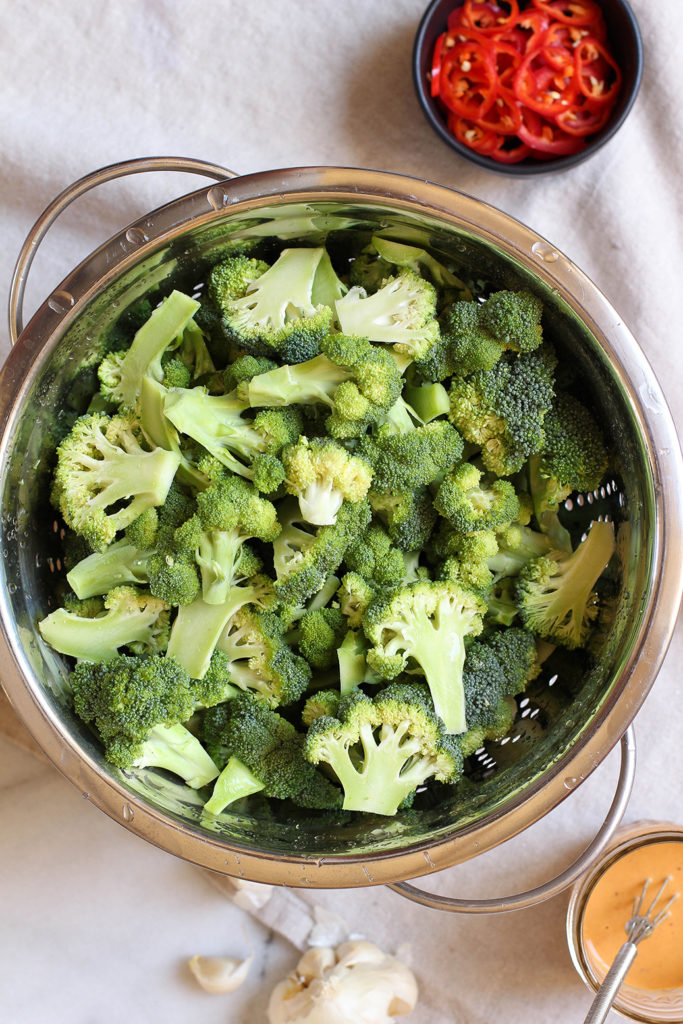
(353, 378)
(468, 557)
(270, 309)
(100, 572)
(373, 557)
(132, 618)
(514, 319)
(471, 502)
(319, 635)
(323, 475)
(353, 666)
(105, 478)
(401, 313)
(235, 782)
(428, 401)
(303, 559)
(354, 596)
(408, 515)
(426, 623)
(260, 660)
(137, 705)
(270, 748)
(502, 410)
(121, 373)
(406, 461)
(421, 262)
(464, 347)
(382, 749)
(517, 545)
(556, 598)
(243, 369)
(324, 702)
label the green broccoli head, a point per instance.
(382, 749)
(105, 478)
(242, 369)
(321, 630)
(556, 598)
(373, 557)
(464, 347)
(470, 502)
(258, 658)
(407, 461)
(502, 410)
(270, 747)
(408, 514)
(323, 475)
(425, 624)
(514, 319)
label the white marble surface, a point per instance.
(95, 924)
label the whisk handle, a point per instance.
(614, 978)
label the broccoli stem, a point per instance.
(301, 384)
(149, 344)
(390, 770)
(440, 653)
(197, 629)
(177, 750)
(233, 783)
(428, 401)
(320, 502)
(98, 639)
(100, 572)
(160, 432)
(218, 557)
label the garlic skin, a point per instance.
(219, 974)
(355, 984)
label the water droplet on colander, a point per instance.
(545, 252)
(217, 197)
(571, 782)
(136, 236)
(127, 812)
(61, 302)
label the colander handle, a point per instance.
(560, 882)
(49, 215)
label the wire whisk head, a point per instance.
(644, 922)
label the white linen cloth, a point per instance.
(95, 921)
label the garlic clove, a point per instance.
(219, 974)
(315, 962)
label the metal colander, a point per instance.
(572, 716)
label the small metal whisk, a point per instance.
(638, 927)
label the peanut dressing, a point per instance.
(659, 963)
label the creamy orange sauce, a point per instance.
(659, 963)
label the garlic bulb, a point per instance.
(219, 974)
(355, 984)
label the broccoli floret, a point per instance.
(471, 502)
(517, 653)
(556, 599)
(373, 557)
(517, 545)
(235, 782)
(401, 313)
(468, 558)
(137, 705)
(303, 559)
(319, 635)
(464, 347)
(503, 410)
(243, 369)
(259, 659)
(324, 702)
(426, 623)
(574, 457)
(176, 374)
(353, 378)
(502, 719)
(161, 433)
(121, 373)
(132, 618)
(421, 262)
(270, 309)
(484, 684)
(514, 319)
(406, 461)
(216, 686)
(322, 475)
(382, 749)
(102, 571)
(105, 478)
(192, 352)
(270, 747)
(408, 515)
(354, 596)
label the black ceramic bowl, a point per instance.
(625, 43)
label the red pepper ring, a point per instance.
(504, 117)
(541, 87)
(436, 66)
(473, 135)
(467, 83)
(584, 119)
(571, 12)
(594, 65)
(545, 138)
(488, 16)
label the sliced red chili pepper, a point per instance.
(504, 117)
(572, 12)
(506, 59)
(481, 140)
(527, 30)
(597, 73)
(488, 16)
(560, 58)
(540, 86)
(584, 119)
(436, 65)
(467, 84)
(544, 137)
(507, 152)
